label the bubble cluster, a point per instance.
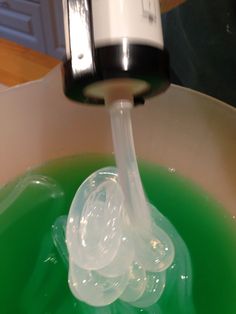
(110, 256)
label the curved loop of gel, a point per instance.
(29, 180)
(94, 289)
(154, 249)
(94, 222)
(136, 285)
(154, 289)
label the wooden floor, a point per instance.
(19, 64)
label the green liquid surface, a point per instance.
(33, 277)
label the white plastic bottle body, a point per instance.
(139, 21)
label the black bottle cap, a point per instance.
(146, 63)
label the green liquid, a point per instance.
(33, 277)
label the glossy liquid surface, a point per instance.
(33, 276)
